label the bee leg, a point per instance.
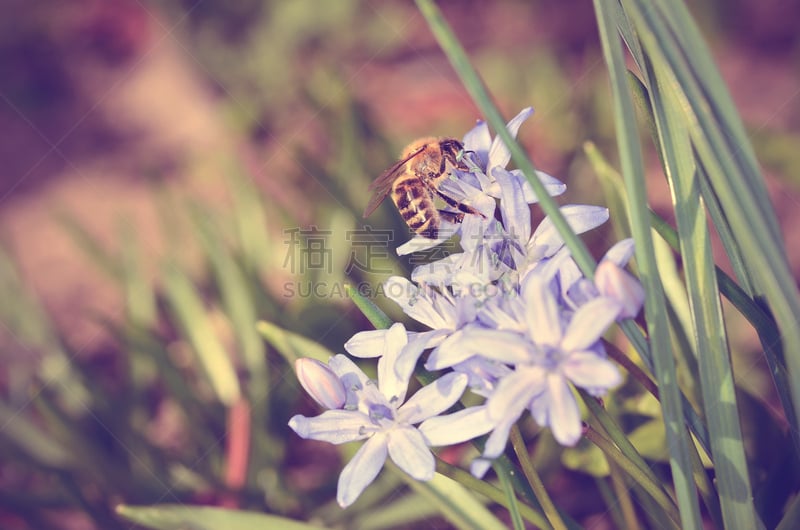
(463, 160)
(451, 217)
(459, 206)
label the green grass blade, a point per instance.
(533, 478)
(764, 324)
(187, 308)
(716, 375)
(727, 158)
(639, 476)
(511, 498)
(613, 190)
(140, 296)
(622, 452)
(373, 313)
(144, 343)
(90, 245)
(33, 332)
(250, 220)
(236, 298)
(663, 360)
(618, 501)
(720, 104)
(455, 503)
(292, 346)
(723, 228)
(17, 430)
(170, 517)
(409, 511)
(489, 490)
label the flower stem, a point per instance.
(513, 505)
(550, 510)
(489, 491)
(632, 368)
(373, 313)
(637, 474)
(623, 497)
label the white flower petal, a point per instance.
(621, 252)
(408, 450)
(547, 267)
(504, 346)
(479, 467)
(483, 374)
(589, 323)
(514, 392)
(479, 140)
(539, 408)
(352, 377)
(552, 185)
(457, 427)
(361, 470)
(414, 302)
(564, 415)
(434, 398)
(496, 443)
(391, 384)
(579, 217)
(448, 353)
(542, 313)
(366, 344)
(439, 272)
(408, 358)
(588, 370)
(515, 211)
(332, 426)
(499, 154)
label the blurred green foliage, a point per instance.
(149, 422)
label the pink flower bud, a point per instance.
(615, 282)
(320, 382)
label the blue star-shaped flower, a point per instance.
(383, 418)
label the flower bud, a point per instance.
(320, 382)
(615, 282)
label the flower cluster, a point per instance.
(511, 317)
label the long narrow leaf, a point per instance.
(727, 158)
(212, 357)
(170, 517)
(716, 375)
(17, 430)
(373, 313)
(291, 345)
(236, 297)
(456, 503)
(663, 360)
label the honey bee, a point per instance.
(414, 182)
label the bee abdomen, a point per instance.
(424, 223)
(416, 206)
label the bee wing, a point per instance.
(381, 186)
